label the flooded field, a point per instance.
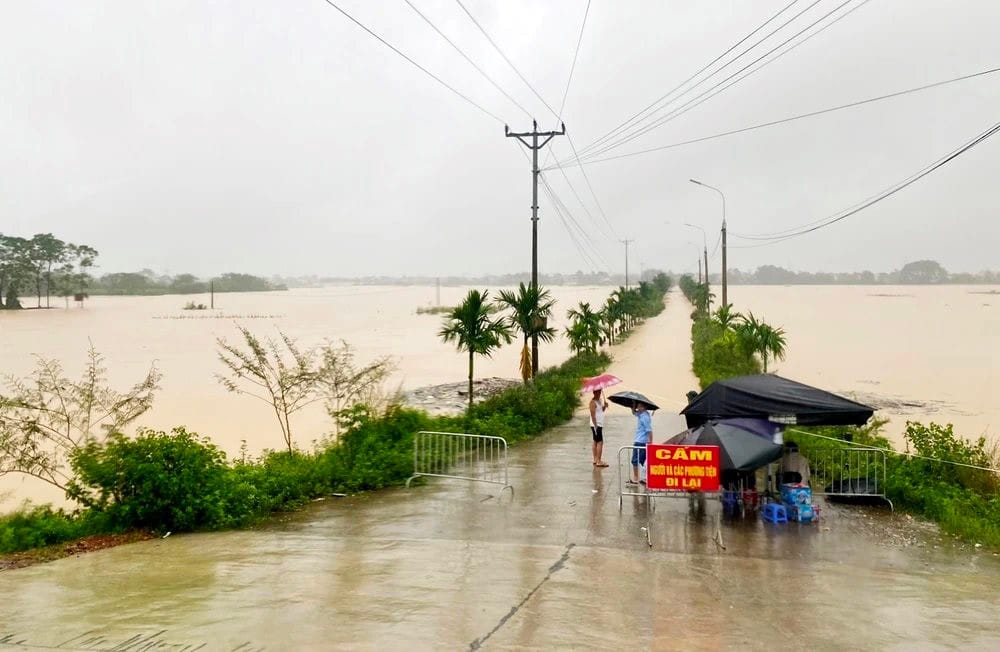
(924, 353)
(915, 352)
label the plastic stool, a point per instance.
(775, 513)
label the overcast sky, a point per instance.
(279, 138)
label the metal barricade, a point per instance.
(461, 456)
(643, 491)
(847, 472)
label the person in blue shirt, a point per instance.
(643, 436)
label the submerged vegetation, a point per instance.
(177, 481)
(934, 477)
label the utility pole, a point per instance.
(534, 146)
(706, 265)
(211, 290)
(626, 243)
(725, 300)
(699, 270)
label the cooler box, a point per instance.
(801, 512)
(796, 494)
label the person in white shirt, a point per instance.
(598, 405)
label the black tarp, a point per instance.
(766, 396)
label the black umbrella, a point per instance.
(627, 399)
(741, 443)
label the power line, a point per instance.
(625, 125)
(886, 193)
(579, 40)
(800, 116)
(684, 108)
(877, 196)
(569, 80)
(467, 58)
(586, 178)
(509, 62)
(567, 219)
(422, 69)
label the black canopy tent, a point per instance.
(777, 399)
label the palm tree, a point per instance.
(609, 317)
(726, 317)
(772, 341)
(472, 327)
(530, 309)
(762, 338)
(585, 331)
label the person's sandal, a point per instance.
(603, 465)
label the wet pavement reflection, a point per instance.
(454, 565)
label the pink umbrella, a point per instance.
(599, 382)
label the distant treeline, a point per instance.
(921, 272)
(42, 266)
(147, 283)
(489, 280)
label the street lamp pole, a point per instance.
(725, 298)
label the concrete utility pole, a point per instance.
(534, 146)
(626, 243)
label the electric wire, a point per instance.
(509, 62)
(542, 100)
(567, 215)
(872, 200)
(793, 118)
(583, 25)
(629, 121)
(421, 68)
(910, 179)
(588, 259)
(569, 80)
(693, 102)
(467, 58)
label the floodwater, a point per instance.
(134, 332)
(453, 565)
(916, 352)
(920, 353)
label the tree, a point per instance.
(726, 317)
(530, 308)
(584, 332)
(343, 384)
(46, 417)
(472, 327)
(46, 251)
(281, 375)
(762, 338)
(923, 272)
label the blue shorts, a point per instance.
(639, 455)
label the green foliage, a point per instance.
(474, 329)
(718, 353)
(41, 265)
(157, 481)
(964, 501)
(178, 481)
(38, 527)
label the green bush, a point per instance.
(156, 481)
(37, 527)
(376, 450)
(719, 353)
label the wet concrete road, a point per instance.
(450, 565)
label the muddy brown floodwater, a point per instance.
(453, 565)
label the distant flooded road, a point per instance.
(450, 565)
